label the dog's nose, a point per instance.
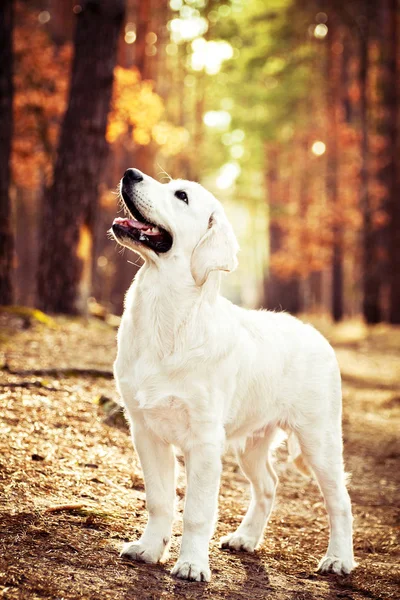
(132, 176)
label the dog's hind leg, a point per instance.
(158, 464)
(255, 463)
(321, 445)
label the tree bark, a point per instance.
(6, 120)
(333, 110)
(71, 202)
(143, 23)
(279, 293)
(26, 242)
(394, 166)
(371, 279)
(62, 20)
(271, 294)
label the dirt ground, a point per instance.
(71, 491)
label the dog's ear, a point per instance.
(216, 251)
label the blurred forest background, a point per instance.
(287, 110)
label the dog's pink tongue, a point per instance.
(130, 223)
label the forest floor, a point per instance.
(71, 490)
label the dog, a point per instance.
(194, 371)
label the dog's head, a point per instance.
(178, 218)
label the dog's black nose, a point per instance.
(132, 176)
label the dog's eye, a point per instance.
(182, 196)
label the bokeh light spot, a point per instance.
(228, 174)
(151, 37)
(102, 262)
(44, 17)
(130, 37)
(320, 31)
(318, 148)
(321, 17)
(219, 119)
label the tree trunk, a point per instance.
(71, 202)
(143, 157)
(371, 279)
(394, 166)
(279, 293)
(143, 23)
(62, 20)
(271, 295)
(333, 110)
(371, 272)
(26, 241)
(6, 120)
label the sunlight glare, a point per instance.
(130, 37)
(228, 174)
(175, 4)
(320, 31)
(220, 119)
(184, 30)
(318, 148)
(209, 55)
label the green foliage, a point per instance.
(270, 74)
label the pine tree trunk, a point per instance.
(279, 294)
(372, 236)
(71, 202)
(371, 279)
(146, 12)
(394, 164)
(272, 296)
(26, 246)
(62, 20)
(333, 74)
(143, 22)
(6, 120)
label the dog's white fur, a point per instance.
(195, 371)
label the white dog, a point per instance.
(195, 371)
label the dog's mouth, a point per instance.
(141, 231)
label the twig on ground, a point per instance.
(62, 507)
(70, 372)
(29, 384)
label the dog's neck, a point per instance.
(164, 302)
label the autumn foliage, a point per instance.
(312, 86)
(41, 85)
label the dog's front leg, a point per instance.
(203, 469)
(158, 464)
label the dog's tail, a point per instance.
(296, 456)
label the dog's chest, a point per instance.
(170, 409)
(170, 392)
(172, 421)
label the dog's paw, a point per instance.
(193, 570)
(334, 564)
(141, 552)
(238, 541)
